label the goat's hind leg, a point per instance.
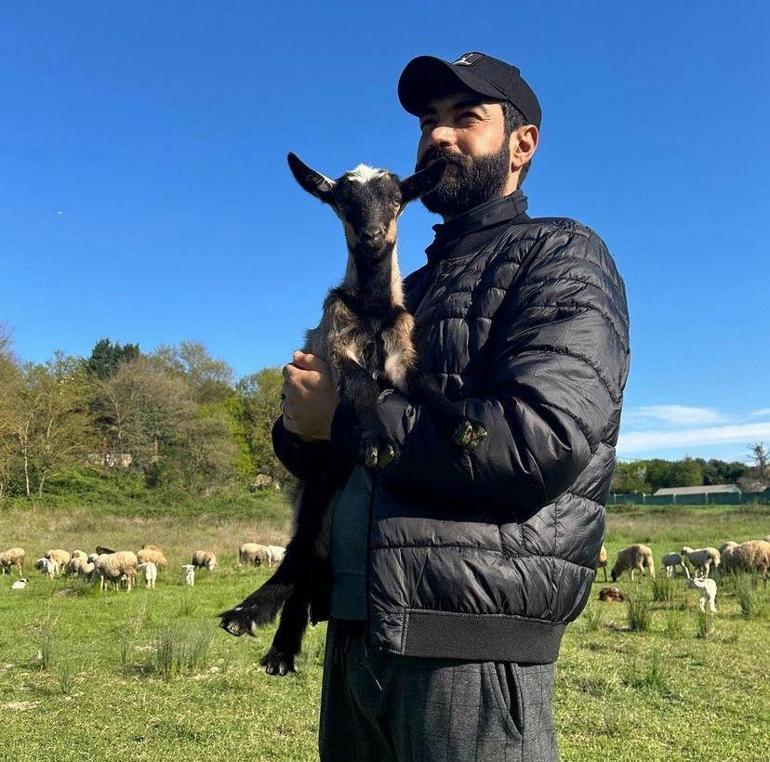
(448, 420)
(279, 660)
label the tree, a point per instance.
(761, 460)
(210, 379)
(630, 477)
(106, 357)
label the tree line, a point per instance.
(175, 417)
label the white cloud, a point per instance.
(676, 415)
(765, 411)
(648, 441)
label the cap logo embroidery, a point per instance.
(468, 59)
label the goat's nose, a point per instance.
(371, 234)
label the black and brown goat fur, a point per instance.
(365, 335)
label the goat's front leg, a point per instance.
(279, 660)
(448, 420)
(358, 392)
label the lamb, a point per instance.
(631, 559)
(204, 559)
(20, 584)
(189, 575)
(152, 554)
(252, 554)
(150, 572)
(77, 563)
(611, 595)
(275, 554)
(365, 335)
(112, 566)
(601, 562)
(47, 566)
(708, 591)
(12, 557)
(702, 559)
(670, 562)
(61, 556)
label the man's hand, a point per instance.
(310, 398)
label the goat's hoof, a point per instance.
(277, 663)
(469, 434)
(378, 453)
(236, 624)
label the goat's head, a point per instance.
(367, 200)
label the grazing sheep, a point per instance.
(150, 572)
(601, 562)
(252, 554)
(61, 556)
(631, 559)
(112, 567)
(20, 584)
(204, 559)
(753, 557)
(11, 557)
(728, 560)
(189, 575)
(766, 538)
(275, 554)
(152, 554)
(47, 566)
(77, 563)
(708, 591)
(670, 562)
(611, 595)
(703, 560)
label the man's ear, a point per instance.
(313, 182)
(423, 181)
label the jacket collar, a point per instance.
(488, 214)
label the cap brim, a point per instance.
(425, 77)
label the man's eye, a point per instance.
(427, 123)
(469, 116)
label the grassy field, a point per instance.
(148, 675)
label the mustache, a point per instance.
(433, 153)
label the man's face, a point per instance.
(469, 132)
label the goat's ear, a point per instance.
(423, 181)
(313, 182)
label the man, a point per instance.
(455, 572)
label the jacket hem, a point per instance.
(480, 637)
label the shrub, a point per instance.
(749, 599)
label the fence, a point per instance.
(702, 498)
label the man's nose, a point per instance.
(442, 134)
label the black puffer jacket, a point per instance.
(488, 554)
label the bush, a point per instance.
(639, 611)
(749, 599)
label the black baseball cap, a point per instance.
(491, 77)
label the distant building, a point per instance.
(711, 489)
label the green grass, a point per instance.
(147, 675)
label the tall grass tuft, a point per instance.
(639, 611)
(663, 589)
(593, 618)
(48, 647)
(176, 651)
(65, 677)
(674, 626)
(655, 676)
(749, 599)
(704, 625)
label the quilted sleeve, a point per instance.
(559, 362)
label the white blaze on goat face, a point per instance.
(364, 173)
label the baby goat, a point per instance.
(365, 335)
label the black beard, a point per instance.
(467, 181)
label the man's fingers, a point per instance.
(306, 361)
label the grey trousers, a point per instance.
(384, 708)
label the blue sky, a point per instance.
(144, 194)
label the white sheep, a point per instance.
(150, 572)
(703, 560)
(189, 574)
(252, 554)
(707, 589)
(631, 559)
(12, 557)
(61, 556)
(153, 554)
(671, 561)
(20, 584)
(47, 566)
(204, 559)
(113, 566)
(275, 554)
(77, 564)
(753, 557)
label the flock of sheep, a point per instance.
(752, 557)
(124, 566)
